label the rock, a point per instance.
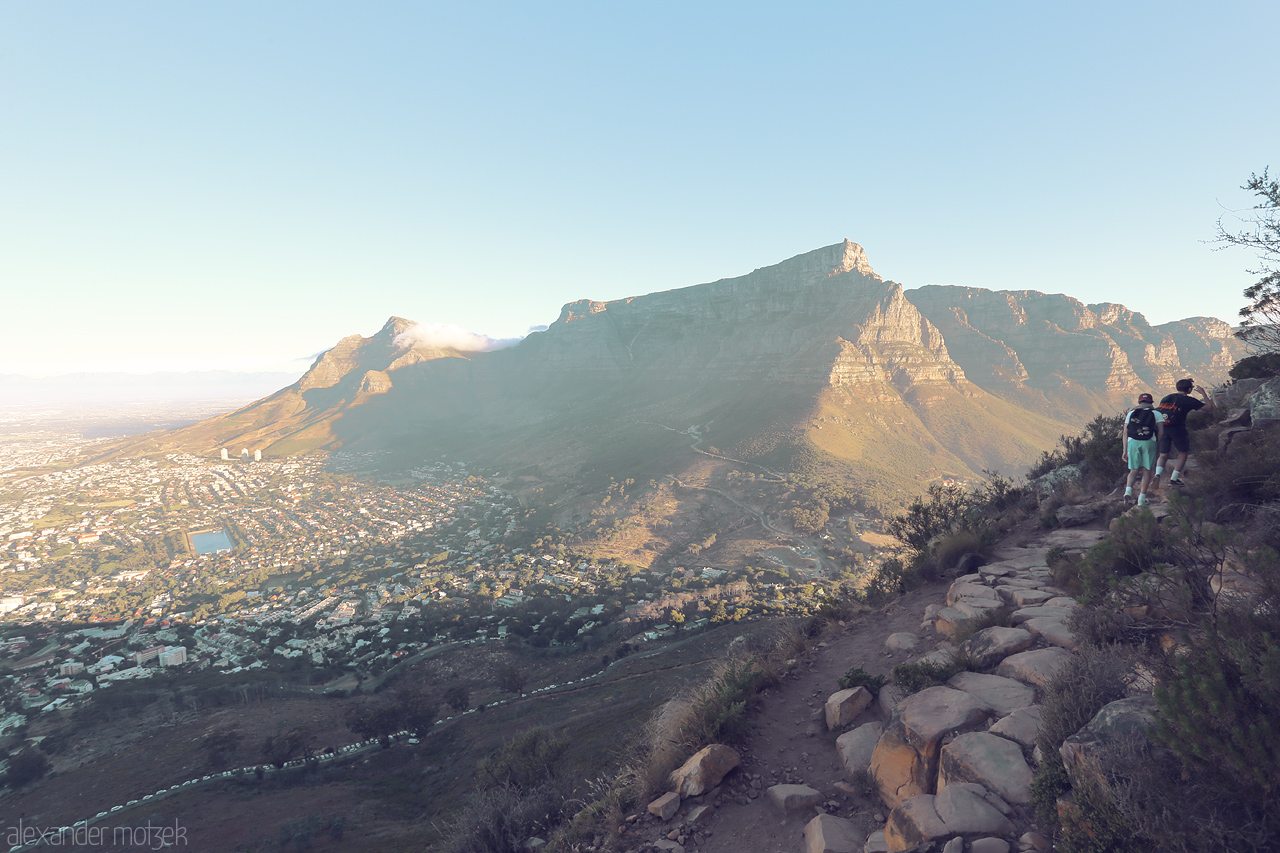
(1020, 726)
(1023, 614)
(996, 570)
(969, 562)
(844, 706)
(941, 656)
(1002, 696)
(989, 646)
(1034, 841)
(534, 843)
(1053, 631)
(989, 845)
(665, 806)
(1029, 597)
(1036, 667)
(905, 760)
(855, 747)
(914, 821)
(969, 590)
(793, 798)
(699, 815)
(955, 845)
(1236, 418)
(1264, 404)
(876, 843)
(704, 770)
(672, 846)
(1073, 516)
(1228, 437)
(1117, 722)
(888, 698)
(987, 760)
(830, 834)
(902, 642)
(1062, 601)
(1046, 484)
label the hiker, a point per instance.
(1175, 409)
(1143, 427)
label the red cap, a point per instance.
(1145, 398)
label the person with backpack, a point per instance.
(1143, 428)
(1175, 409)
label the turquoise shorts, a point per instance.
(1142, 454)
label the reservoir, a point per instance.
(210, 541)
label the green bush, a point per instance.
(858, 677)
(1262, 366)
(1220, 714)
(914, 677)
(1097, 446)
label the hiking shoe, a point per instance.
(1142, 501)
(1177, 482)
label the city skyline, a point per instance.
(237, 188)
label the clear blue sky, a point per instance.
(238, 185)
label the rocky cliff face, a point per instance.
(1012, 342)
(823, 318)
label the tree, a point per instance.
(511, 679)
(458, 697)
(27, 766)
(278, 749)
(1260, 319)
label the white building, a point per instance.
(172, 656)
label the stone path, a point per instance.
(948, 768)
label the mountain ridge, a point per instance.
(815, 361)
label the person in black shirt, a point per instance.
(1175, 409)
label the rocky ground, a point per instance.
(832, 770)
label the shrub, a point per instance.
(914, 677)
(1262, 366)
(1220, 713)
(1097, 446)
(28, 766)
(858, 677)
(1090, 679)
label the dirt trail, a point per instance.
(790, 741)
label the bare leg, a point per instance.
(1146, 480)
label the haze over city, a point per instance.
(237, 186)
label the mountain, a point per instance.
(815, 365)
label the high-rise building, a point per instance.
(244, 453)
(224, 454)
(257, 456)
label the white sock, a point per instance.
(1128, 491)
(1159, 470)
(1176, 475)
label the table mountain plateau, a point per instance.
(816, 363)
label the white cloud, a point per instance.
(451, 336)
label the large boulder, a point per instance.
(1001, 695)
(988, 647)
(1053, 631)
(856, 747)
(1046, 484)
(1021, 726)
(914, 821)
(830, 834)
(987, 760)
(970, 809)
(1264, 404)
(968, 589)
(1124, 720)
(905, 760)
(704, 770)
(844, 706)
(1037, 667)
(1073, 516)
